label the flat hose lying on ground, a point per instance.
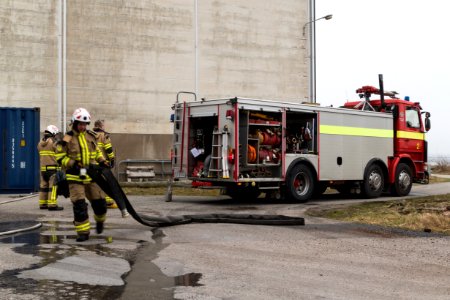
(108, 183)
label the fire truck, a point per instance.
(296, 151)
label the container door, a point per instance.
(19, 160)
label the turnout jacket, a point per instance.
(104, 143)
(76, 151)
(47, 158)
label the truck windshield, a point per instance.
(412, 118)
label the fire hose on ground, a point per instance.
(109, 184)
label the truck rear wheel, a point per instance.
(300, 183)
(373, 182)
(403, 180)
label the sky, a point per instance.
(408, 41)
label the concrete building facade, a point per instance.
(125, 60)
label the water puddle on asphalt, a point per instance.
(54, 244)
(57, 254)
(190, 279)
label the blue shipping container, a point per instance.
(19, 159)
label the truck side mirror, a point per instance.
(427, 124)
(427, 121)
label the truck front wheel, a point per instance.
(300, 183)
(373, 182)
(403, 180)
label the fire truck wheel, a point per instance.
(373, 182)
(300, 183)
(403, 180)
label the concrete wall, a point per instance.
(126, 60)
(28, 56)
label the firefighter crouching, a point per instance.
(49, 167)
(76, 152)
(105, 145)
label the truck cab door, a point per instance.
(410, 135)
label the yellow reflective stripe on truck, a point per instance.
(356, 131)
(410, 135)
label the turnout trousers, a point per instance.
(78, 193)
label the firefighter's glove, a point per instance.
(76, 168)
(112, 163)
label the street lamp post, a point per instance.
(312, 54)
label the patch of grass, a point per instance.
(421, 214)
(435, 179)
(161, 190)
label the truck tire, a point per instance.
(403, 181)
(373, 182)
(299, 183)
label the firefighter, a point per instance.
(104, 143)
(49, 167)
(76, 153)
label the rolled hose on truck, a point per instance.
(108, 183)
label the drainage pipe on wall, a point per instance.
(59, 87)
(62, 104)
(196, 46)
(64, 65)
(312, 51)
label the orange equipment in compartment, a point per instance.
(251, 154)
(268, 137)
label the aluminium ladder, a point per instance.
(218, 162)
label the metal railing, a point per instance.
(163, 167)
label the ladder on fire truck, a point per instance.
(218, 162)
(177, 138)
(179, 127)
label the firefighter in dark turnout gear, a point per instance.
(76, 153)
(49, 167)
(105, 145)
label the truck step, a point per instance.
(268, 187)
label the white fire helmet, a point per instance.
(52, 129)
(81, 115)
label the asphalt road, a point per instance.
(322, 260)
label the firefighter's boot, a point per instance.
(99, 227)
(82, 237)
(110, 203)
(99, 207)
(55, 207)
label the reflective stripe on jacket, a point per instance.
(47, 158)
(78, 150)
(104, 143)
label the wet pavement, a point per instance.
(215, 261)
(40, 259)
